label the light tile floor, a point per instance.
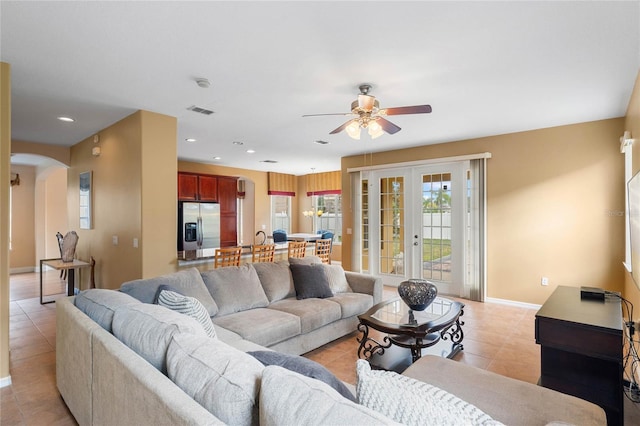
(497, 338)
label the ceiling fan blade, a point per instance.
(366, 102)
(334, 113)
(417, 109)
(341, 128)
(388, 126)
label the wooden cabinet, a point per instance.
(228, 191)
(581, 349)
(194, 187)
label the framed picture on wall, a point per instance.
(86, 184)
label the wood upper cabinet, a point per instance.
(194, 187)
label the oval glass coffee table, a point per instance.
(436, 330)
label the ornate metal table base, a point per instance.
(370, 347)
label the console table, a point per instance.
(581, 349)
(58, 264)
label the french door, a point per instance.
(413, 225)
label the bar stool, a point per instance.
(227, 256)
(263, 253)
(297, 249)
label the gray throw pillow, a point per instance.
(303, 366)
(310, 281)
(276, 279)
(337, 279)
(188, 306)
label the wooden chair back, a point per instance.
(263, 253)
(227, 256)
(323, 250)
(297, 249)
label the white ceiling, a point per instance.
(486, 68)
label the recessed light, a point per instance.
(66, 119)
(190, 139)
(238, 143)
(251, 151)
(217, 158)
(322, 142)
(268, 161)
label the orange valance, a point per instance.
(281, 184)
(324, 183)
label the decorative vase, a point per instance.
(417, 293)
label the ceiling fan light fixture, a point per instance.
(375, 130)
(353, 130)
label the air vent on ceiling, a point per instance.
(268, 161)
(200, 110)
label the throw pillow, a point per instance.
(235, 288)
(410, 402)
(165, 287)
(337, 279)
(310, 281)
(188, 306)
(289, 398)
(188, 282)
(303, 366)
(222, 379)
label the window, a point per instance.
(329, 215)
(281, 212)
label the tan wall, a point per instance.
(632, 124)
(554, 197)
(57, 152)
(55, 215)
(5, 173)
(159, 189)
(121, 206)
(23, 253)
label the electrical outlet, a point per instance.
(135, 243)
(544, 281)
(114, 240)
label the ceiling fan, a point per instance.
(368, 115)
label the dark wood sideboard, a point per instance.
(581, 345)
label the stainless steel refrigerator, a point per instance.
(199, 226)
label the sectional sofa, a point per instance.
(123, 360)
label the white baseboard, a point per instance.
(5, 381)
(22, 270)
(512, 303)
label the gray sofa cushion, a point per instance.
(410, 401)
(188, 282)
(222, 379)
(100, 304)
(235, 289)
(289, 398)
(148, 329)
(310, 281)
(337, 279)
(263, 326)
(307, 260)
(304, 366)
(352, 303)
(313, 313)
(276, 279)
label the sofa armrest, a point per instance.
(507, 400)
(367, 284)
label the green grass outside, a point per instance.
(435, 249)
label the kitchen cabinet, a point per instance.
(195, 187)
(227, 192)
